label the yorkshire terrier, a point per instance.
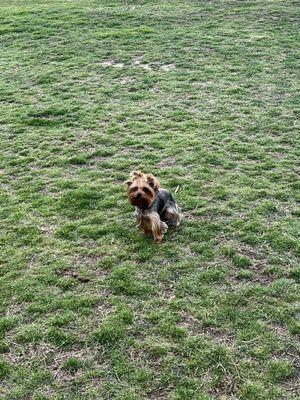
(155, 207)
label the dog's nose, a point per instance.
(138, 195)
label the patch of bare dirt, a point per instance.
(111, 63)
(194, 328)
(167, 162)
(127, 80)
(71, 273)
(168, 67)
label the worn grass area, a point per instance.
(202, 94)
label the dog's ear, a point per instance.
(136, 174)
(128, 183)
(152, 182)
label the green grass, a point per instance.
(203, 94)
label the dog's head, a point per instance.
(141, 189)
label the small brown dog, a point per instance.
(155, 207)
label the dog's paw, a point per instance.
(163, 227)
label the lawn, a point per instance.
(203, 94)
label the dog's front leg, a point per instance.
(158, 235)
(158, 227)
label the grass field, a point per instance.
(203, 94)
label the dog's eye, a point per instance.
(146, 190)
(134, 189)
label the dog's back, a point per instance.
(167, 208)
